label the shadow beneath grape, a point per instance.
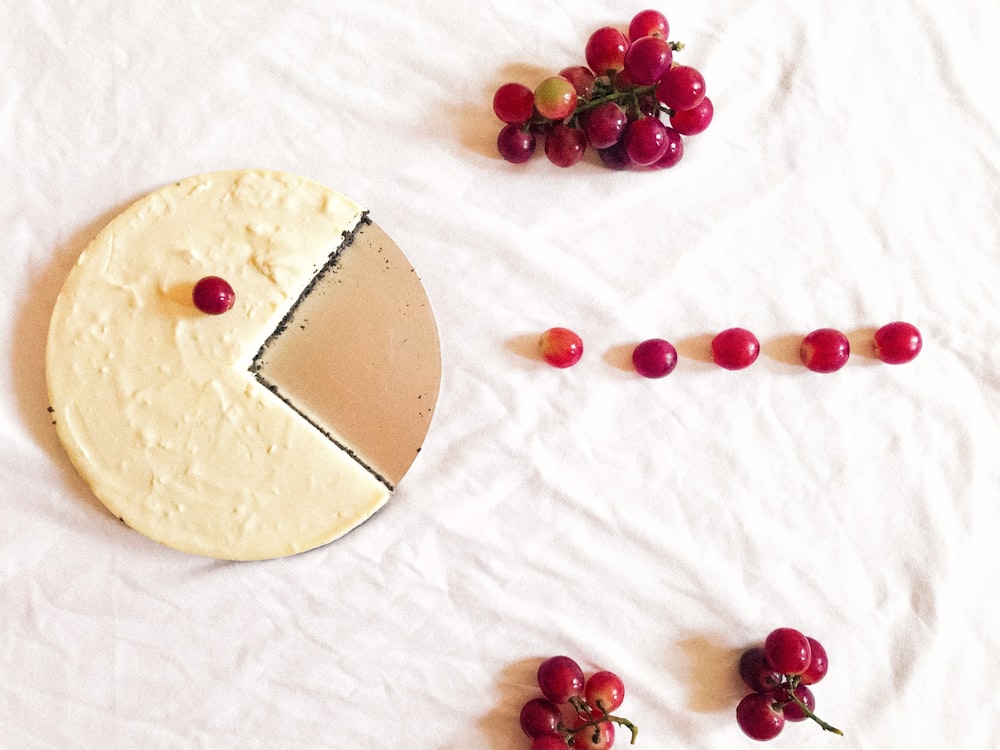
(698, 347)
(862, 341)
(501, 726)
(713, 673)
(525, 346)
(784, 349)
(620, 357)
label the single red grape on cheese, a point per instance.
(213, 295)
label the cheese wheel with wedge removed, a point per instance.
(168, 413)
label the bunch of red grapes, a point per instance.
(574, 712)
(631, 102)
(780, 673)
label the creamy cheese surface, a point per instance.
(153, 399)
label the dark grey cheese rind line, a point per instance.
(358, 354)
(259, 361)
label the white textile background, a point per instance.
(851, 178)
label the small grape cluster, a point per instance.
(574, 712)
(780, 673)
(615, 104)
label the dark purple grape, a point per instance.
(515, 144)
(674, 152)
(654, 358)
(540, 716)
(756, 673)
(564, 145)
(560, 678)
(616, 157)
(645, 139)
(605, 125)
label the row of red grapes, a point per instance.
(823, 350)
(631, 102)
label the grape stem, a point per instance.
(630, 99)
(793, 682)
(594, 716)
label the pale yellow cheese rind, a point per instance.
(153, 399)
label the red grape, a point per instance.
(213, 295)
(515, 144)
(565, 146)
(825, 350)
(555, 98)
(605, 691)
(616, 157)
(647, 59)
(514, 103)
(605, 50)
(560, 347)
(681, 87)
(540, 716)
(560, 678)
(623, 81)
(604, 125)
(693, 121)
(600, 737)
(818, 664)
(648, 23)
(654, 358)
(646, 140)
(792, 710)
(674, 152)
(758, 717)
(582, 79)
(735, 348)
(898, 343)
(787, 651)
(756, 673)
